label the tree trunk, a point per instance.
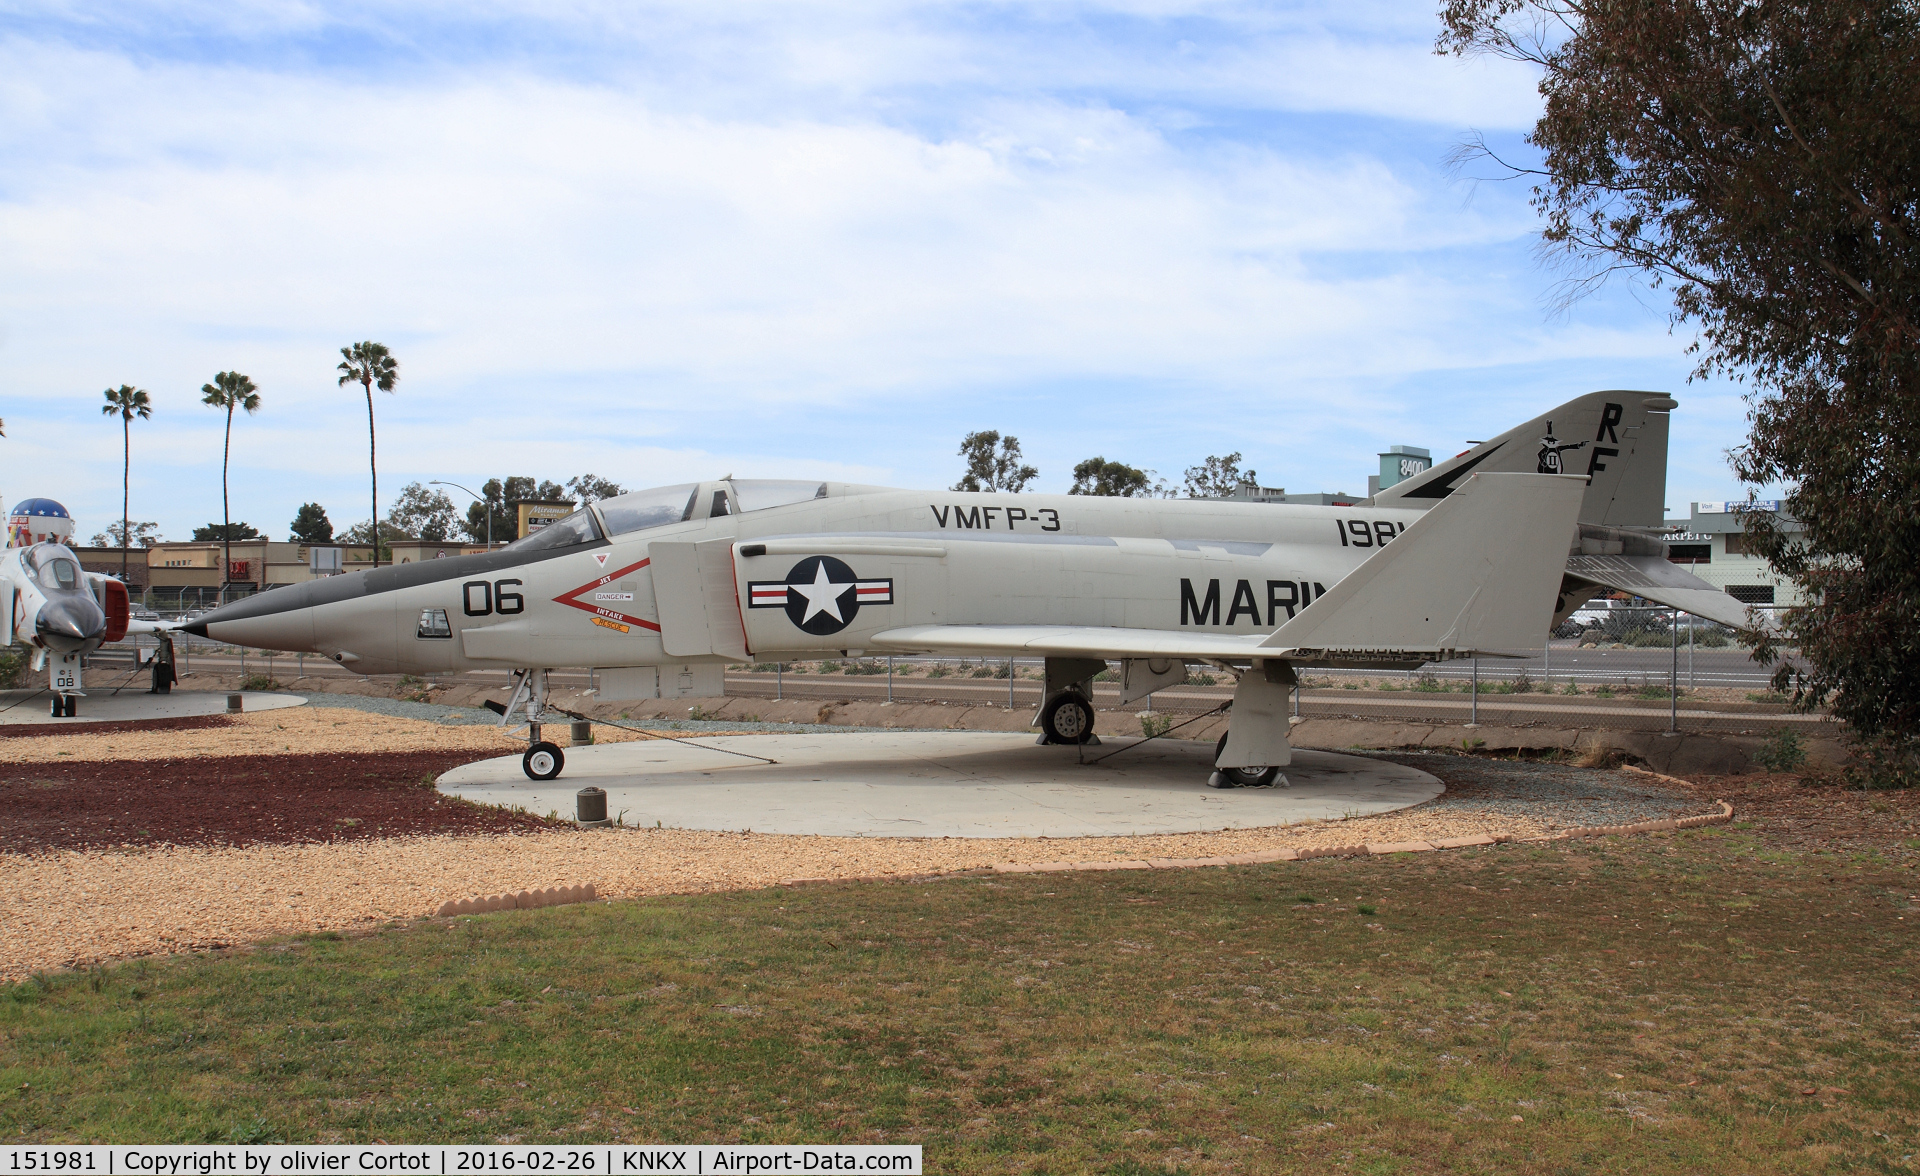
(373, 467)
(126, 474)
(226, 516)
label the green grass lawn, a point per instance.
(1695, 1003)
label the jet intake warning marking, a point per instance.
(608, 608)
(821, 594)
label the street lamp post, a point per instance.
(484, 505)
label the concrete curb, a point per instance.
(523, 900)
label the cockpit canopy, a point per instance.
(663, 505)
(54, 568)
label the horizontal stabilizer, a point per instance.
(1655, 578)
(1480, 571)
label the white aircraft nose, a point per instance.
(66, 624)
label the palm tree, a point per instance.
(229, 390)
(126, 402)
(370, 364)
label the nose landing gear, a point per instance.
(543, 761)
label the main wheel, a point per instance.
(1067, 718)
(543, 761)
(1241, 777)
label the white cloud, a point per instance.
(657, 272)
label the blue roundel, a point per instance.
(40, 508)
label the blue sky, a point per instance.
(666, 241)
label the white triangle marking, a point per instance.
(600, 557)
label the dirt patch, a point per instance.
(189, 723)
(239, 801)
(1810, 813)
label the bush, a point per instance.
(264, 682)
(985, 672)
(829, 667)
(1522, 684)
(13, 667)
(1194, 679)
(939, 671)
(1782, 752)
(1151, 725)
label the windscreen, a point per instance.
(647, 508)
(575, 529)
(762, 494)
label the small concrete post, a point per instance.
(581, 733)
(234, 703)
(590, 807)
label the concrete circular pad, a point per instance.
(31, 706)
(939, 784)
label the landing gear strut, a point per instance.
(543, 760)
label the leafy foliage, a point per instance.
(1217, 477)
(144, 535)
(311, 525)
(225, 533)
(591, 488)
(1763, 162)
(503, 498)
(993, 463)
(1113, 479)
(420, 513)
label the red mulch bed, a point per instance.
(190, 723)
(240, 800)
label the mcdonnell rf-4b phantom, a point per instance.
(660, 589)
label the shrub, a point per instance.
(829, 667)
(1152, 725)
(1782, 752)
(1194, 679)
(939, 671)
(1522, 683)
(13, 667)
(984, 672)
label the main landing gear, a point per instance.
(1067, 718)
(1256, 777)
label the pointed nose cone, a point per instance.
(67, 624)
(278, 619)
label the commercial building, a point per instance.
(1712, 543)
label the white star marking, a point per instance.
(823, 595)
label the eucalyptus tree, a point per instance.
(371, 366)
(126, 402)
(229, 390)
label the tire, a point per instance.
(543, 761)
(1067, 718)
(1241, 777)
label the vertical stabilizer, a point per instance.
(1616, 439)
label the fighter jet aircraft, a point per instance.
(61, 613)
(660, 589)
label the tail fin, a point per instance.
(1617, 439)
(1479, 572)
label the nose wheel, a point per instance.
(66, 706)
(543, 761)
